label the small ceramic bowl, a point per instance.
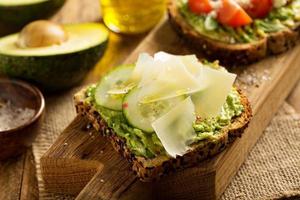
(23, 96)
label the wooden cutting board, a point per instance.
(83, 162)
(18, 180)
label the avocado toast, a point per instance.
(152, 152)
(271, 32)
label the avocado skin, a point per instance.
(18, 16)
(52, 73)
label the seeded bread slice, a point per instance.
(232, 54)
(153, 169)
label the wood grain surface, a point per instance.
(294, 97)
(207, 180)
(17, 178)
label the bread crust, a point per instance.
(152, 169)
(232, 54)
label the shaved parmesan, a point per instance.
(163, 56)
(144, 65)
(192, 64)
(208, 102)
(173, 80)
(158, 71)
(175, 129)
(151, 90)
(190, 61)
(147, 69)
(142, 73)
(151, 71)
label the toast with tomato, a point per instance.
(237, 31)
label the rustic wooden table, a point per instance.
(18, 175)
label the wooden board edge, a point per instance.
(29, 184)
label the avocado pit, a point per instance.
(41, 33)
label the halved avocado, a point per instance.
(55, 67)
(17, 13)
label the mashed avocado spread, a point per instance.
(147, 144)
(278, 19)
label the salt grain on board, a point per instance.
(250, 77)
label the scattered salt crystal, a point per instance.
(265, 78)
(12, 116)
(250, 77)
(89, 126)
(101, 180)
(65, 144)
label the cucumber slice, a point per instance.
(114, 80)
(141, 115)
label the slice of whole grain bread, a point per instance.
(232, 54)
(153, 169)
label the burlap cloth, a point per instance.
(271, 171)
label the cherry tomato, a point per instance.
(200, 6)
(231, 14)
(259, 8)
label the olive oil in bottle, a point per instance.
(132, 16)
